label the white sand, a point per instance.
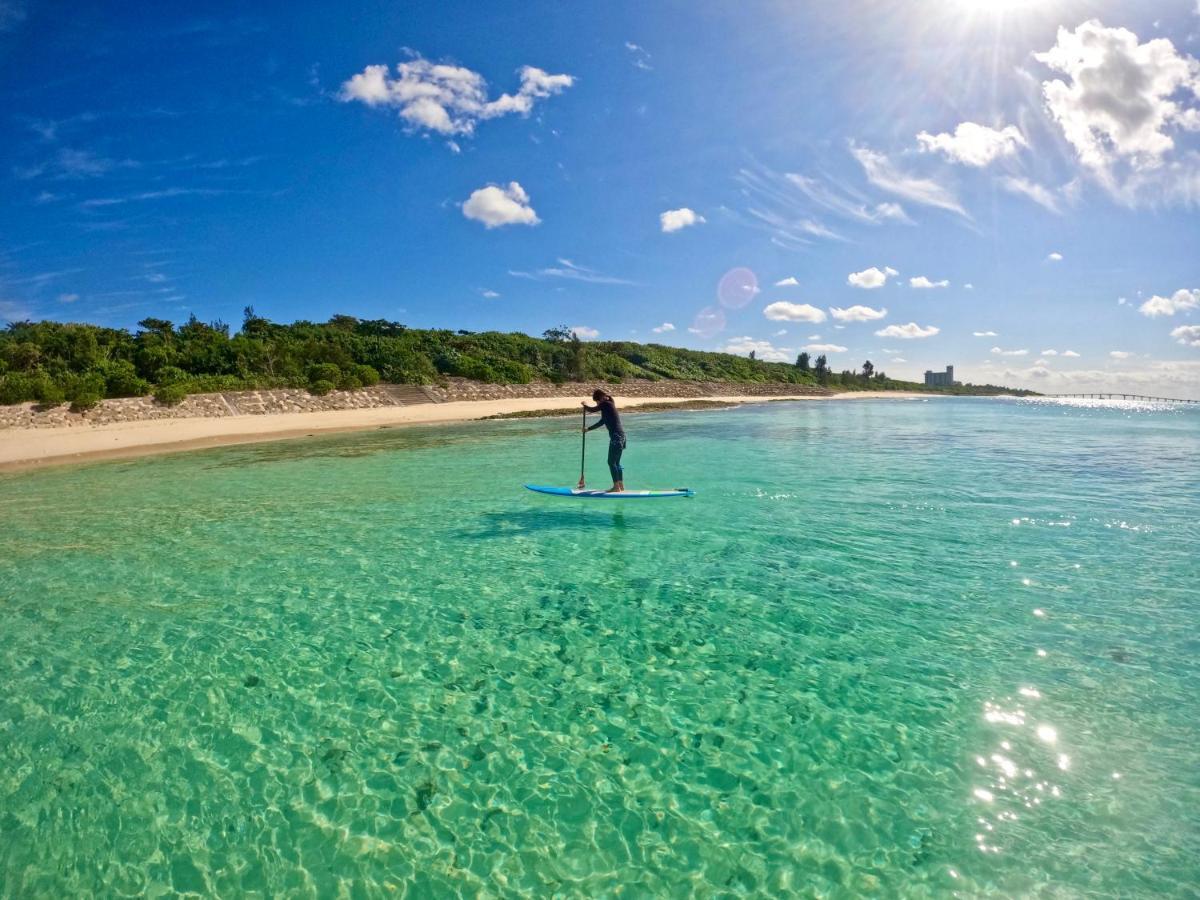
(34, 447)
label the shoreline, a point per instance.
(23, 449)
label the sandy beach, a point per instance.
(26, 448)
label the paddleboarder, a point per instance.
(610, 419)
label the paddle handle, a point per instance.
(582, 449)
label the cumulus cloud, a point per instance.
(495, 206)
(1188, 335)
(675, 219)
(910, 331)
(824, 348)
(584, 333)
(857, 313)
(882, 173)
(67, 298)
(447, 99)
(996, 351)
(1049, 353)
(1119, 354)
(489, 294)
(973, 144)
(1119, 97)
(762, 349)
(1181, 301)
(663, 328)
(1070, 353)
(871, 278)
(782, 311)
(922, 282)
(984, 333)
(1054, 257)
(790, 281)
(1039, 194)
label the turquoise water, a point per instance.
(891, 648)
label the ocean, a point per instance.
(892, 648)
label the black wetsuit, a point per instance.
(611, 419)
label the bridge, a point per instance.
(1124, 397)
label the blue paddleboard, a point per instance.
(605, 495)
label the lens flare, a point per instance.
(737, 287)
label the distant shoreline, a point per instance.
(25, 448)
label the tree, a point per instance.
(821, 369)
(559, 334)
(802, 362)
(868, 369)
(753, 355)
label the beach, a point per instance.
(26, 448)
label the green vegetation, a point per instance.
(50, 362)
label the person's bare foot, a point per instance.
(615, 489)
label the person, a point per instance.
(611, 419)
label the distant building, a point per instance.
(940, 379)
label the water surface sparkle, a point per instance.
(373, 663)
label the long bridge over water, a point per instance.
(1125, 397)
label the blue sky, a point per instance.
(1030, 173)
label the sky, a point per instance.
(1010, 187)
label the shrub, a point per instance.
(170, 375)
(349, 382)
(84, 400)
(321, 387)
(366, 375)
(15, 387)
(170, 394)
(121, 380)
(324, 372)
(47, 392)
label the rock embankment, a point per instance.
(260, 403)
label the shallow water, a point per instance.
(891, 648)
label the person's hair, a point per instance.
(599, 395)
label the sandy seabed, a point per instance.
(25, 448)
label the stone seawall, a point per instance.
(259, 403)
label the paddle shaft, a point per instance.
(583, 448)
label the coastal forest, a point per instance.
(51, 363)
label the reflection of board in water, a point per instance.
(607, 495)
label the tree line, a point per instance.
(51, 362)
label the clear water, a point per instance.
(891, 648)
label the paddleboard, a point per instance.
(605, 495)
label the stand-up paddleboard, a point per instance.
(606, 495)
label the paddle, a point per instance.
(582, 451)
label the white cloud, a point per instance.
(584, 333)
(674, 219)
(67, 298)
(1070, 353)
(908, 332)
(10, 311)
(857, 313)
(973, 144)
(571, 272)
(663, 328)
(638, 56)
(824, 348)
(490, 294)
(1120, 96)
(846, 202)
(790, 281)
(444, 98)
(871, 278)
(998, 352)
(922, 282)
(968, 286)
(780, 333)
(1054, 257)
(813, 337)
(1049, 353)
(1039, 194)
(1181, 301)
(1120, 354)
(782, 311)
(762, 349)
(495, 206)
(984, 333)
(884, 175)
(1188, 335)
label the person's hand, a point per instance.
(585, 429)
(583, 403)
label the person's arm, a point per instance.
(590, 409)
(594, 427)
